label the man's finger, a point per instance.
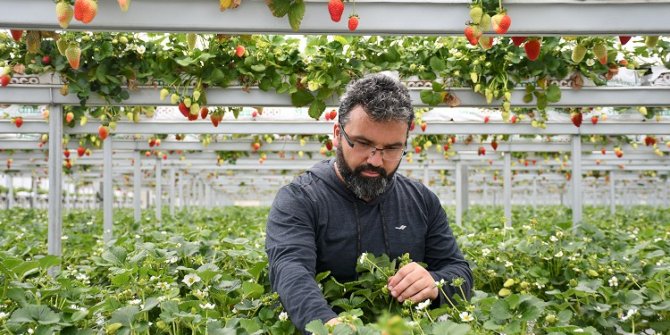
(404, 271)
(426, 293)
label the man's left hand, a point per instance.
(412, 282)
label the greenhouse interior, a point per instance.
(144, 147)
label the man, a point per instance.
(340, 208)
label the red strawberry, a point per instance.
(64, 13)
(255, 146)
(335, 8)
(183, 109)
(423, 126)
(16, 34)
(473, 33)
(353, 22)
(152, 142)
(46, 60)
(203, 112)
(518, 40)
(81, 151)
(333, 114)
(73, 55)
(417, 149)
(66, 153)
(103, 132)
(501, 22)
(600, 51)
(124, 4)
(329, 145)
(18, 121)
(254, 114)
(147, 153)
(576, 119)
(481, 151)
(513, 119)
(192, 117)
(494, 145)
(4, 80)
(85, 10)
(594, 119)
(69, 117)
(446, 147)
(240, 50)
(486, 119)
(603, 151)
(624, 39)
(532, 48)
(215, 119)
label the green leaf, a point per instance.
(250, 326)
(437, 87)
(437, 64)
(258, 67)
(125, 316)
(431, 98)
(252, 290)
(316, 327)
(35, 313)
(295, 14)
(553, 93)
(450, 327)
(500, 311)
(316, 109)
(279, 8)
(321, 276)
(301, 98)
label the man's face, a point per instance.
(367, 174)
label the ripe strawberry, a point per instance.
(329, 145)
(46, 60)
(576, 119)
(423, 126)
(473, 33)
(578, 53)
(417, 149)
(603, 151)
(183, 109)
(494, 145)
(446, 147)
(335, 8)
(594, 119)
(501, 22)
(18, 121)
(481, 151)
(215, 119)
(600, 51)
(85, 10)
(240, 50)
(73, 55)
(4, 80)
(103, 132)
(532, 48)
(486, 119)
(624, 39)
(203, 112)
(254, 114)
(69, 117)
(124, 4)
(518, 40)
(81, 151)
(333, 114)
(68, 164)
(152, 142)
(66, 153)
(64, 13)
(353, 22)
(192, 117)
(255, 146)
(513, 119)
(147, 153)
(16, 34)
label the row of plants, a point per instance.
(205, 272)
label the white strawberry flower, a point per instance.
(423, 305)
(466, 317)
(191, 279)
(614, 282)
(207, 306)
(363, 257)
(283, 316)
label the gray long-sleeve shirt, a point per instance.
(316, 224)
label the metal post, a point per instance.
(181, 190)
(108, 191)
(507, 189)
(172, 192)
(485, 193)
(137, 186)
(425, 174)
(55, 183)
(534, 199)
(576, 180)
(33, 195)
(459, 193)
(10, 190)
(159, 189)
(208, 195)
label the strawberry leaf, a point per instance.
(553, 93)
(316, 109)
(317, 327)
(279, 8)
(430, 97)
(295, 14)
(437, 64)
(301, 98)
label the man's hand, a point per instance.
(412, 282)
(333, 322)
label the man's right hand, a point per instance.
(333, 322)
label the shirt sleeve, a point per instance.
(291, 248)
(444, 258)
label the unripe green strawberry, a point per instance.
(509, 283)
(194, 109)
(187, 102)
(485, 23)
(62, 45)
(196, 95)
(73, 54)
(578, 53)
(651, 41)
(190, 40)
(174, 98)
(64, 13)
(600, 50)
(476, 13)
(33, 41)
(164, 93)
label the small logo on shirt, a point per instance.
(401, 227)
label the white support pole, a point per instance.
(507, 189)
(208, 196)
(534, 197)
(576, 181)
(459, 193)
(612, 192)
(55, 183)
(159, 189)
(485, 193)
(181, 190)
(68, 195)
(33, 193)
(137, 186)
(10, 190)
(425, 174)
(173, 200)
(108, 191)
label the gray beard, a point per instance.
(366, 188)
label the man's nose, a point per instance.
(375, 158)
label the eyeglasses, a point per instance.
(360, 148)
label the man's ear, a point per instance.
(336, 134)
